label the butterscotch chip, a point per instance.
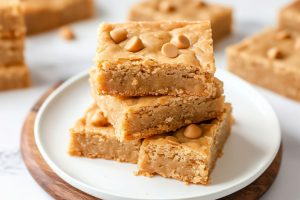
(118, 35)
(135, 44)
(192, 131)
(97, 119)
(180, 41)
(193, 68)
(283, 35)
(101, 141)
(274, 53)
(166, 6)
(201, 4)
(67, 33)
(297, 44)
(169, 50)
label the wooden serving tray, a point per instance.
(61, 190)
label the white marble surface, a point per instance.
(51, 59)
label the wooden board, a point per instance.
(60, 190)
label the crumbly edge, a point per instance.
(173, 160)
(144, 79)
(277, 78)
(91, 143)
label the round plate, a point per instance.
(250, 149)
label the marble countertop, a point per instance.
(52, 59)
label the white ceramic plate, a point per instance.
(252, 146)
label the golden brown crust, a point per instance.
(153, 36)
(145, 62)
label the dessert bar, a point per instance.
(141, 117)
(155, 58)
(220, 16)
(188, 154)
(270, 59)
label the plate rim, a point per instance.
(96, 191)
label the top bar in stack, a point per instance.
(155, 58)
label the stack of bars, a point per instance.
(157, 102)
(13, 71)
(271, 59)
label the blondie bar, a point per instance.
(188, 154)
(11, 19)
(44, 15)
(220, 16)
(141, 117)
(93, 137)
(155, 58)
(270, 59)
(14, 77)
(289, 16)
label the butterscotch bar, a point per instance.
(155, 58)
(14, 77)
(188, 154)
(93, 137)
(44, 15)
(270, 59)
(220, 16)
(289, 16)
(11, 19)
(141, 117)
(11, 52)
